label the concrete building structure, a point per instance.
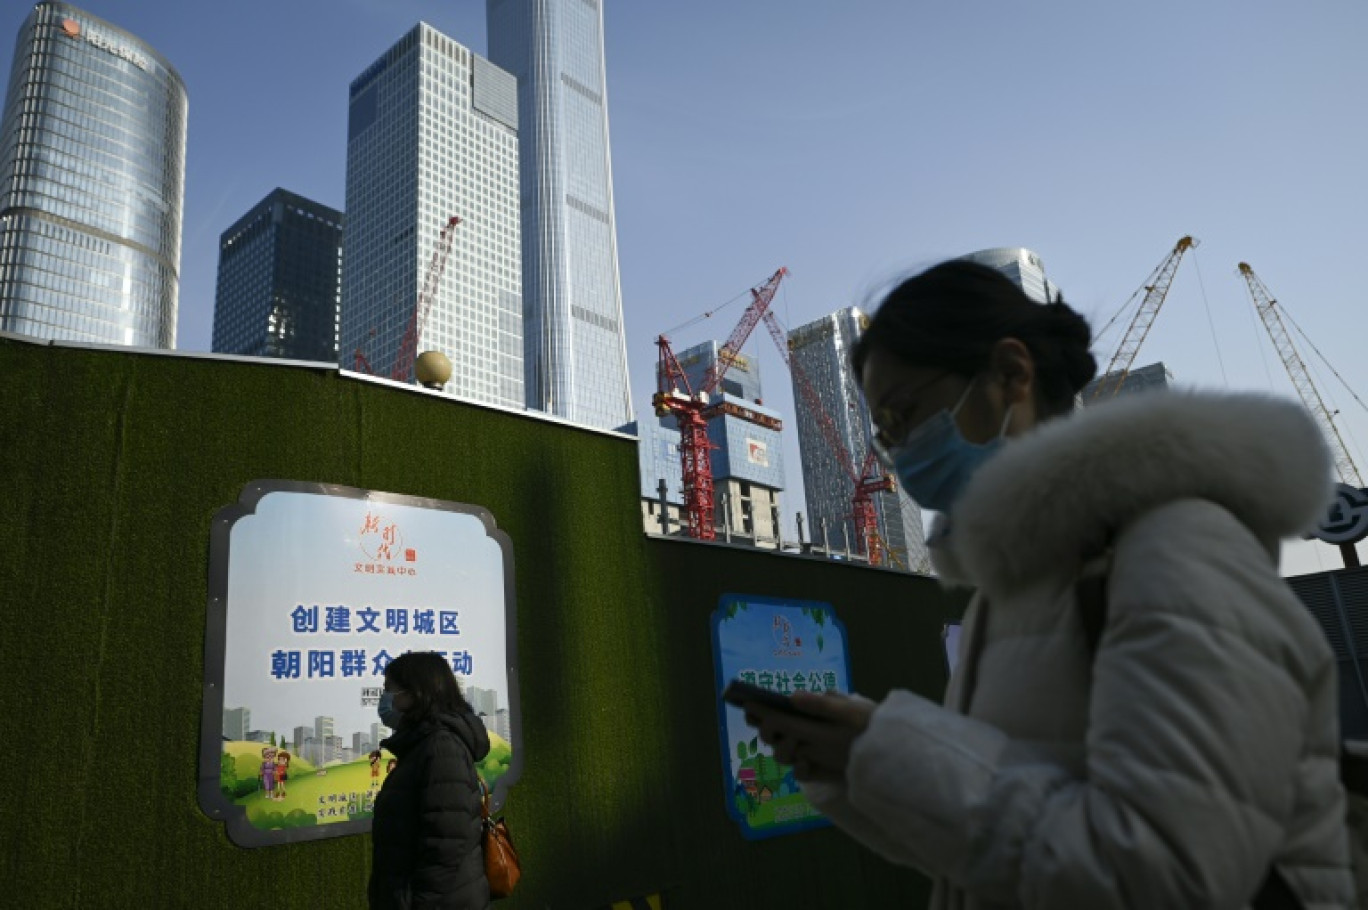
(747, 458)
(92, 175)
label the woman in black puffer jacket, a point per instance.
(427, 852)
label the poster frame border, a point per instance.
(211, 800)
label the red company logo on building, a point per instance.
(72, 29)
(383, 545)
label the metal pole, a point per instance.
(1349, 552)
(846, 537)
(802, 547)
(826, 542)
(726, 516)
(664, 492)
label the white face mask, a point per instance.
(390, 716)
(935, 463)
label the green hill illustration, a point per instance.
(337, 792)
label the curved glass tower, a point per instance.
(575, 356)
(1022, 266)
(92, 174)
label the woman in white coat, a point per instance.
(1182, 756)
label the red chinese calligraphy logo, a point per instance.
(381, 539)
(786, 643)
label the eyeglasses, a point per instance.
(891, 426)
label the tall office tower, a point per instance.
(432, 134)
(503, 727)
(236, 723)
(576, 352)
(92, 173)
(323, 734)
(822, 349)
(1020, 265)
(747, 458)
(301, 736)
(484, 701)
(279, 281)
(1152, 378)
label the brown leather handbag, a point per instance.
(502, 867)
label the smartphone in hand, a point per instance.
(739, 693)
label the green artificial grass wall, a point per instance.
(116, 461)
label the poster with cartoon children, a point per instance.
(314, 590)
(786, 646)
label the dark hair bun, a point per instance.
(1073, 337)
(951, 315)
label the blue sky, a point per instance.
(853, 141)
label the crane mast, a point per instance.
(408, 347)
(674, 396)
(1156, 289)
(1301, 377)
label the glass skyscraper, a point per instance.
(1152, 378)
(576, 353)
(433, 133)
(279, 281)
(822, 350)
(92, 173)
(1022, 266)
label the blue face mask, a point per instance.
(935, 462)
(390, 716)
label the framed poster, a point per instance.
(783, 645)
(313, 590)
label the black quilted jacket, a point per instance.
(425, 837)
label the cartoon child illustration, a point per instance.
(282, 772)
(390, 767)
(375, 768)
(268, 772)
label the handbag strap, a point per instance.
(484, 802)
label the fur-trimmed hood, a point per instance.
(1055, 496)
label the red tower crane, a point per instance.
(674, 396)
(407, 351)
(408, 347)
(868, 480)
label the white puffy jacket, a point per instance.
(1197, 746)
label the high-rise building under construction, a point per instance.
(822, 350)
